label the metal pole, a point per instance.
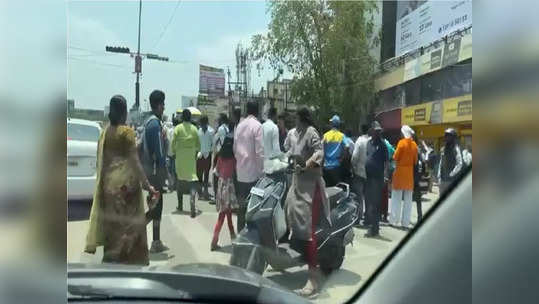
(137, 85)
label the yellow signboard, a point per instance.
(416, 115)
(457, 109)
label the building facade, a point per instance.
(279, 95)
(425, 77)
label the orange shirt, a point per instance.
(405, 158)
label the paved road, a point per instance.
(189, 242)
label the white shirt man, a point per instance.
(219, 137)
(206, 141)
(270, 137)
(272, 149)
(359, 156)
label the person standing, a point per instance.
(419, 171)
(376, 166)
(185, 146)
(154, 163)
(225, 196)
(334, 146)
(270, 137)
(236, 118)
(346, 168)
(249, 154)
(218, 140)
(205, 135)
(306, 201)
(171, 160)
(359, 157)
(450, 160)
(283, 132)
(385, 191)
(403, 179)
(117, 220)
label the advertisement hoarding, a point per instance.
(211, 81)
(421, 22)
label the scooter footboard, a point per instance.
(242, 247)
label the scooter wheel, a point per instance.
(331, 259)
(259, 264)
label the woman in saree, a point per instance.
(117, 218)
(306, 202)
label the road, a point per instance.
(189, 242)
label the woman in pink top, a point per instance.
(225, 198)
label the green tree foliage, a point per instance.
(325, 44)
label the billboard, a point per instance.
(211, 81)
(421, 22)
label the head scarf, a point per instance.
(407, 132)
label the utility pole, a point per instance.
(138, 60)
(137, 84)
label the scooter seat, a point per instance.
(334, 195)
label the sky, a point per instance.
(198, 32)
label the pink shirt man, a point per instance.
(248, 150)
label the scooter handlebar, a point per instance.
(346, 188)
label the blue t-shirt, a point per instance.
(376, 158)
(155, 142)
(333, 148)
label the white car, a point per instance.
(82, 137)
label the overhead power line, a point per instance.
(98, 62)
(166, 27)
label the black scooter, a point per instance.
(265, 239)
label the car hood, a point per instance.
(198, 281)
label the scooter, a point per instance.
(265, 238)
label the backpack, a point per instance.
(147, 161)
(227, 148)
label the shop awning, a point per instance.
(390, 120)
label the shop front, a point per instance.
(431, 119)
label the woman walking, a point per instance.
(226, 195)
(306, 201)
(403, 179)
(117, 219)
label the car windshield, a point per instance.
(296, 140)
(82, 132)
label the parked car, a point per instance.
(82, 137)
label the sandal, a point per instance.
(308, 291)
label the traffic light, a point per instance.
(117, 49)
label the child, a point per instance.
(225, 198)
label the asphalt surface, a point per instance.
(189, 242)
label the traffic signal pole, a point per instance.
(137, 84)
(138, 59)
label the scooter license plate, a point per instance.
(257, 191)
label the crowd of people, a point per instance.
(237, 153)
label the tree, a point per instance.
(326, 46)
